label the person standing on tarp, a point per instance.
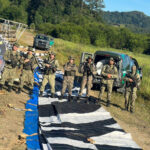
(88, 69)
(109, 73)
(28, 65)
(12, 61)
(132, 80)
(70, 70)
(51, 65)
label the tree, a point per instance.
(95, 5)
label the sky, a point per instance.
(128, 5)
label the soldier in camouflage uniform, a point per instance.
(109, 73)
(88, 69)
(132, 82)
(12, 61)
(51, 65)
(70, 70)
(28, 65)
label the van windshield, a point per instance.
(42, 37)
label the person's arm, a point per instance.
(103, 71)
(115, 75)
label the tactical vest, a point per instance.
(71, 72)
(87, 69)
(134, 78)
(110, 70)
(51, 69)
(14, 59)
(28, 65)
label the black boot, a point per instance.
(9, 88)
(61, 97)
(1, 86)
(69, 98)
(78, 98)
(18, 91)
(52, 95)
(108, 103)
(41, 93)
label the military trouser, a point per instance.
(8, 75)
(27, 76)
(51, 80)
(109, 85)
(86, 80)
(130, 97)
(67, 82)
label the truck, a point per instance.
(43, 42)
(123, 62)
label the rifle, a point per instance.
(52, 67)
(134, 78)
(88, 70)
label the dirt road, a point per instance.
(11, 121)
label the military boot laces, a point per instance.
(9, 88)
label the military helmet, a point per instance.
(112, 59)
(16, 44)
(52, 53)
(31, 49)
(89, 57)
(70, 58)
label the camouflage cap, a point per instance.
(52, 53)
(16, 44)
(31, 49)
(112, 59)
(71, 58)
(89, 57)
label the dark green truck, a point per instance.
(43, 42)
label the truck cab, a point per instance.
(123, 62)
(43, 42)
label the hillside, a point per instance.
(138, 22)
(138, 124)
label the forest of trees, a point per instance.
(138, 22)
(74, 20)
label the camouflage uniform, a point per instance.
(88, 69)
(49, 75)
(69, 74)
(27, 72)
(131, 89)
(108, 81)
(12, 61)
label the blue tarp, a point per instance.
(31, 125)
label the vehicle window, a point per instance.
(42, 37)
(102, 58)
(126, 62)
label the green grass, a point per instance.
(65, 49)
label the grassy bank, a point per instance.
(65, 48)
(138, 124)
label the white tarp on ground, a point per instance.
(68, 126)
